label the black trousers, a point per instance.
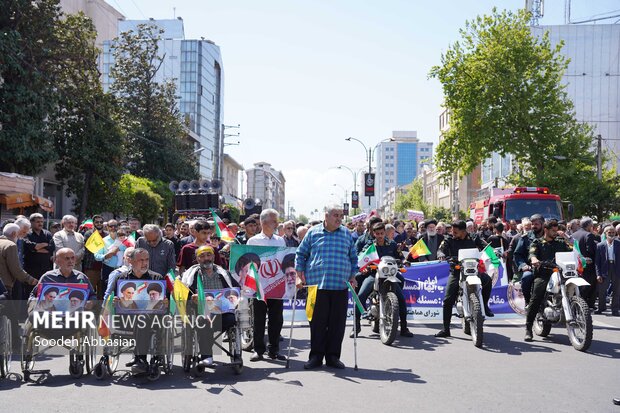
(206, 332)
(273, 308)
(452, 291)
(328, 323)
(613, 279)
(589, 292)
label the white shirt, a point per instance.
(610, 251)
(264, 240)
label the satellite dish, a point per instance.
(194, 186)
(184, 186)
(205, 184)
(216, 184)
(249, 204)
(173, 186)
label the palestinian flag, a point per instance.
(488, 254)
(419, 249)
(221, 229)
(579, 258)
(368, 256)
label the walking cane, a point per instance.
(354, 339)
(290, 335)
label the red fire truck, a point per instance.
(516, 203)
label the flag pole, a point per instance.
(290, 334)
(354, 340)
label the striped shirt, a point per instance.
(328, 259)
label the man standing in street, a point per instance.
(39, 249)
(432, 239)
(327, 258)
(268, 238)
(90, 266)
(162, 256)
(68, 237)
(587, 246)
(607, 265)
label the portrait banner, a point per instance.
(221, 301)
(62, 297)
(276, 270)
(141, 297)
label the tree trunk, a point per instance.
(84, 201)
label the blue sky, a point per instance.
(301, 76)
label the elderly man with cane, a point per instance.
(327, 258)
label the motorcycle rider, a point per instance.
(449, 248)
(521, 255)
(542, 249)
(366, 280)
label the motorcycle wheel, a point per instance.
(389, 322)
(541, 327)
(476, 322)
(580, 329)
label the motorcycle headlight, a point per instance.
(385, 270)
(393, 271)
(470, 264)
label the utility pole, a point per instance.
(599, 157)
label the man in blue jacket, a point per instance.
(607, 264)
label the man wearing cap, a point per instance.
(449, 248)
(268, 237)
(432, 239)
(522, 253)
(213, 277)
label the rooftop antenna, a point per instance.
(174, 12)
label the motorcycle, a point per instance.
(383, 311)
(469, 304)
(564, 304)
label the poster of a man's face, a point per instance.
(62, 297)
(222, 301)
(141, 297)
(290, 275)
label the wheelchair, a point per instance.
(6, 344)
(82, 357)
(109, 361)
(232, 346)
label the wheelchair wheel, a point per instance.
(154, 373)
(90, 351)
(6, 343)
(28, 352)
(234, 348)
(100, 370)
(113, 354)
(168, 358)
(76, 366)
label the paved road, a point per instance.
(423, 373)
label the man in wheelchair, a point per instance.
(144, 327)
(213, 277)
(65, 274)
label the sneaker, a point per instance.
(276, 356)
(528, 334)
(206, 362)
(256, 357)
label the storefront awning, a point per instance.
(17, 200)
(45, 204)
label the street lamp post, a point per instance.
(370, 152)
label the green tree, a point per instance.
(303, 219)
(88, 141)
(235, 213)
(134, 197)
(27, 95)
(413, 198)
(157, 148)
(503, 88)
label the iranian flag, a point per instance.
(222, 230)
(252, 282)
(488, 254)
(367, 257)
(581, 261)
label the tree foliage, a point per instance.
(134, 197)
(89, 143)
(156, 148)
(27, 96)
(503, 89)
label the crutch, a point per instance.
(290, 335)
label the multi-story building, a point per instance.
(266, 184)
(399, 162)
(230, 180)
(592, 82)
(196, 68)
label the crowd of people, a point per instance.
(326, 256)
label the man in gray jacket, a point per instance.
(162, 257)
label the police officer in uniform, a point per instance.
(449, 248)
(542, 249)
